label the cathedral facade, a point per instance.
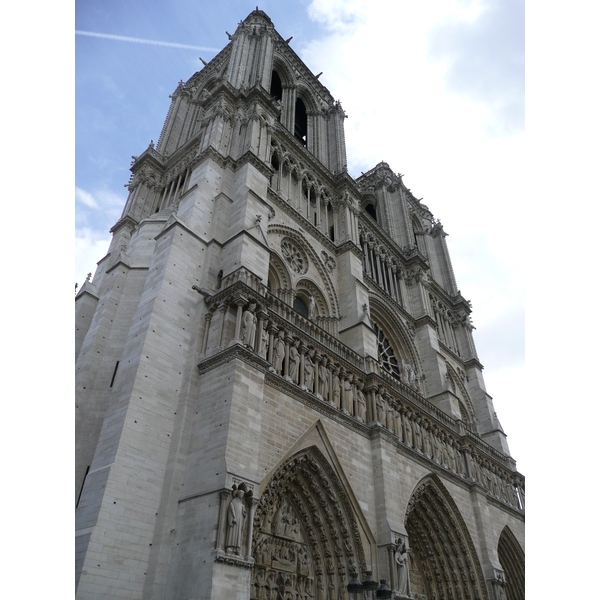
(277, 389)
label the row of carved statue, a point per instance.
(301, 365)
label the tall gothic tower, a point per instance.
(277, 385)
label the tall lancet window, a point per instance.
(301, 122)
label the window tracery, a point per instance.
(385, 352)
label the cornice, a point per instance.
(350, 246)
(425, 320)
(473, 362)
(126, 221)
(235, 352)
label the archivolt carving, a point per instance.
(512, 560)
(327, 284)
(306, 538)
(445, 554)
(279, 277)
(463, 394)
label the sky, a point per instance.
(437, 90)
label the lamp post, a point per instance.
(384, 591)
(365, 590)
(355, 588)
(369, 585)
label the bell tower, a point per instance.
(276, 382)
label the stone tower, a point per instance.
(277, 388)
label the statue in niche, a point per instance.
(303, 568)
(362, 403)
(417, 434)
(323, 380)
(271, 587)
(312, 308)
(452, 456)
(445, 456)
(408, 432)
(264, 340)
(426, 441)
(249, 325)
(381, 408)
(390, 416)
(278, 352)
(309, 371)
(349, 394)
(294, 361)
(236, 515)
(401, 560)
(336, 388)
(412, 377)
(405, 376)
(437, 449)
(261, 585)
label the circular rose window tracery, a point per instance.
(385, 353)
(294, 256)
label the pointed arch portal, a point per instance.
(306, 540)
(444, 562)
(512, 560)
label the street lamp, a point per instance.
(355, 588)
(369, 585)
(384, 591)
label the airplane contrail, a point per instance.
(122, 38)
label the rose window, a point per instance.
(385, 352)
(294, 256)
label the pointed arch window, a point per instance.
(301, 122)
(276, 88)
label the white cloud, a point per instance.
(90, 247)
(85, 198)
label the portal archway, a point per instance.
(444, 562)
(512, 560)
(306, 541)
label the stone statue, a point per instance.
(412, 377)
(294, 361)
(349, 394)
(401, 559)
(264, 340)
(249, 326)
(278, 352)
(408, 437)
(309, 371)
(417, 434)
(390, 416)
(312, 308)
(336, 389)
(362, 403)
(381, 408)
(236, 516)
(405, 375)
(323, 380)
(426, 442)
